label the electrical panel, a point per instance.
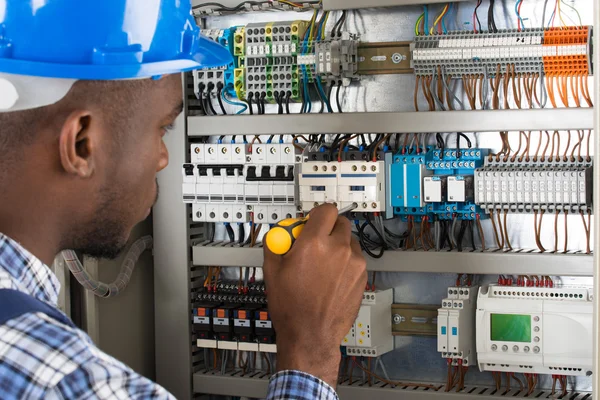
(371, 333)
(537, 330)
(456, 326)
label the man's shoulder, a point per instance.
(38, 351)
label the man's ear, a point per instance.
(77, 146)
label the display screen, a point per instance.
(511, 327)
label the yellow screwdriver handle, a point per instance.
(282, 236)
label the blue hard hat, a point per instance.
(103, 39)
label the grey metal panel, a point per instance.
(353, 4)
(171, 274)
(396, 122)
(521, 263)
(257, 387)
(596, 345)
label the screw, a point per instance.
(248, 159)
(364, 168)
(273, 150)
(259, 150)
(397, 319)
(374, 205)
(315, 168)
(373, 168)
(199, 214)
(354, 168)
(238, 150)
(287, 150)
(364, 205)
(238, 215)
(197, 150)
(211, 150)
(334, 168)
(324, 167)
(316, 204)
(223, 150)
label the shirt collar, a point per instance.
(30, 274)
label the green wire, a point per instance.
(417, 24)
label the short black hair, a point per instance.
(117, 99)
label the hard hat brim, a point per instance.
(206, 54)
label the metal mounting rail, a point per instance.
(394, 122)
(524, 262)
(255, 385)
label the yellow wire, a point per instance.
(324, 25)
(417, 25)
(574, 9)
(289, 3)
(439, 18)
(560, 13)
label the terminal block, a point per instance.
(208, 80)
(371, 333)
(337, 59)
(530, 51)
(456, 326)
(528, 187)
(535, 330)
(435, 183)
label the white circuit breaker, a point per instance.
(344, 183)
(225, 183)
(371, 333)
(535, 330)
(456, 325)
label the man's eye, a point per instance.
(170, 127)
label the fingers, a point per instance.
(342, 231)
(321, 222)
(356, 249)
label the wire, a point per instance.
(520, 23)
(234, 103)
(219, 97)
(337, 97)
(476, 17)
(250, 97)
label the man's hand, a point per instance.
(314, 293)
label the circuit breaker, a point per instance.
(456, 325)
(371, 333)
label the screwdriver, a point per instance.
(282, 236)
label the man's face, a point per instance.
(128, 162)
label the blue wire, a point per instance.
(306, 93)
(444, 18)
(426, 20)
(325, 98)
(551, 16)
(519, 15)
(234, 103)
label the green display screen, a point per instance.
(511, 327)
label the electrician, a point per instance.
(88, 89)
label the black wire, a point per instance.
(329, 91)
(337, 97)
(212, 234)
(444, 237)
(201, 87)
(230, 233)
(244, 138)
(458, 136)
(472, 234)
(221, 138)
(287, 102)
(363, 238)
(242, 233)
(219, 92)
(279, 103)
(461, 235)
(250, 97)
(440, 142)
(491, 22)
(208, 100)
(342, 21)
(476, 15)
(338, 24)
(281, 138)
(270, 138)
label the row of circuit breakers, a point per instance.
(530, 328)
(268, 182)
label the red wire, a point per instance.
(518, 16)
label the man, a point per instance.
(87, 92)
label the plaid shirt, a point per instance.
(41, 357)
